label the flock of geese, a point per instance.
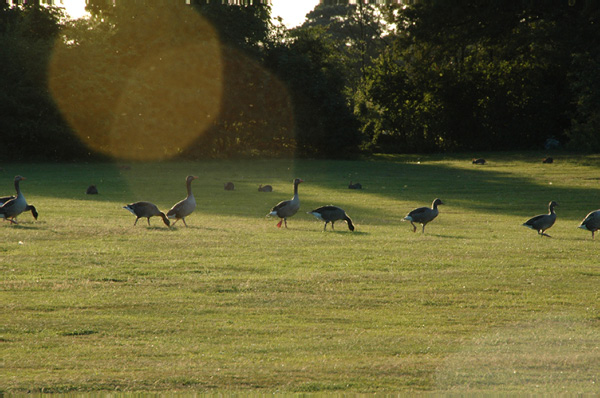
(13, 206)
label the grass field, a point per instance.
(234, 304)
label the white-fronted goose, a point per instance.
(423, 215)
(287, 208)
(332, 214)
(146, 209)
(185, 207)
(591, 222)
(16, 205)
(544, 221)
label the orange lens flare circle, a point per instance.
(152, 109)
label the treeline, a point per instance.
(212, 80)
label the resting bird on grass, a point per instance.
(332, 214)
(16, 205)
(543, 222)
(146, 209)
(591, 222)
(185, 207)
(287, 208)
(423, 215)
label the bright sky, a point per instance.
(291, 11)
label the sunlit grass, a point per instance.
(232, 303)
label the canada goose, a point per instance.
(543, 222)
(332, 214)
(146, 209)
(14, 206)
(229, 186)
(591, 222)
(185, 207)
(479, 161)
(354, 186)
(265, 188)
(29, 207)
(423, 215)
(287, 208)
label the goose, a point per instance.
(16, 205)
(146, 209)
(91, 190)
(354, 186)
(185, 207)
(29, 207)
(591, 222)
(423, 215)
(265, 188)
(543, 222)
(332, 214)
(287, 208)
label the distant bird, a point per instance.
(543, 222)
(146, 209)
(29, 207)
(91, 190)
(287, 208)
(332, 214)
(185, 207)
(265, 188)
(591, 222)
(354, 186)
(15, 205)
(548, 160)
(229, 186)
(479, 161)
(423, 215)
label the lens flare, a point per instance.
(148, 107)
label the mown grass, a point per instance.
(478, 303)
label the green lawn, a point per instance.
(232, 303)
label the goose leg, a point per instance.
(184, 223)
(333, 229)
(285, 222)
(136, 220)
(325, 227)
(148, 221)
(414, 226)
(423, 231)
(279, 223)
(175, 222)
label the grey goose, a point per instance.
(185, 207)
(331, 214)
(423, 215)
(16, 205)
(543, 222)
(147, 210)
(591, 222)
(287, 208)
